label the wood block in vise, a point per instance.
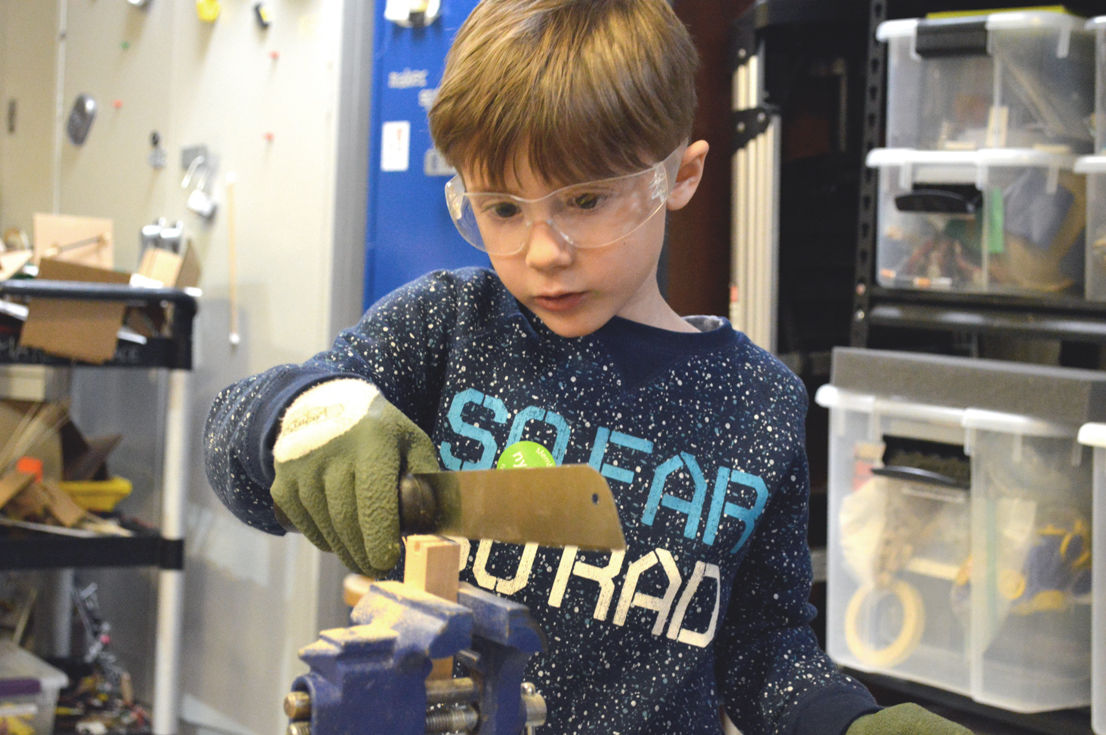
(371, 677)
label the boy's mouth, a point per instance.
(560, 301)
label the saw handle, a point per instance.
(417, 507)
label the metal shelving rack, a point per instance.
(927, 320)
(162, 548)
(883, 315)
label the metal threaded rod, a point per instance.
(460, 718)
(297, 705)
(462, 690)
(298, 728)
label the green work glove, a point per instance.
(339, 456)
(905, 719)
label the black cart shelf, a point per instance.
(161, 548)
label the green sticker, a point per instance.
(996, 223)
(525, 454)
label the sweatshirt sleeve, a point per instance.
(398, 345)
(772, 673)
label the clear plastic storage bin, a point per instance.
(1094, 435)
(1007, 79)
(1097, 26)
(959, 547)
(29, 690)
(1093, 169)
(996, 220)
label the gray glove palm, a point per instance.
(905, 719)
(339, 456)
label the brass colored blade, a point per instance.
(570, 505)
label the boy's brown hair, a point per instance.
(584, 89)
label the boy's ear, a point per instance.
(688, 175)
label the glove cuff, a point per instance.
(321, 413)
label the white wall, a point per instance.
(251, 600)
(27, 61)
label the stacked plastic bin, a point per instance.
(1094, 435)
(986, 115)
(29, 690)
(1094, 167)
(960, 516)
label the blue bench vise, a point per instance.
(370, 678)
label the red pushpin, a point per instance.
(274, 55)
(269, 137)
(117, 104)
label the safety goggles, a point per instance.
(586, 215)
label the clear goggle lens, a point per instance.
(587, 215)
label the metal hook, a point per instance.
(193, 167)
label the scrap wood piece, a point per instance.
(31, 503)
(61, 506)
(35, 423)
(12, 483)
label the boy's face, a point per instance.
(576, 290)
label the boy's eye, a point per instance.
(502, 210)
(585, 200)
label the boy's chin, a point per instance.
(569, 327)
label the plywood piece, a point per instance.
(84, 240)
(61, 505)
(12, 262)
(13, 483)
(30, 429)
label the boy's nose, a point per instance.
(546, 247)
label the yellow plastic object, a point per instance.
(16, 725)
(989, 11)
(98, 495)
(208, 10)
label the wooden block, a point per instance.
(432, 564)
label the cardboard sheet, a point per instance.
(83, 330)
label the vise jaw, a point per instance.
(370, 678)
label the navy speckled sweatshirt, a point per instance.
(700, 436)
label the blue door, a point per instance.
(408, 231)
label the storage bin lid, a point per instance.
(1093, 435)
(1011, 423)
(1061, 395)
(1090, 165)
(1014, 20)
(830, 396)
(20, 670)
(974, 159)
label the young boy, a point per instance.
(569, 124)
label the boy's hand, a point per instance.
(339, 456)
(905, 719)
